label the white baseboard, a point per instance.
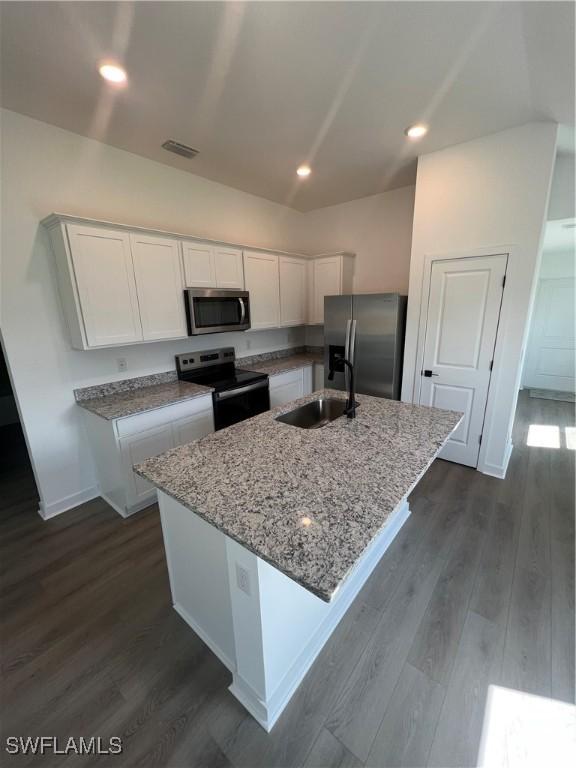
(214, 647)
(498, 471)
(46, 511)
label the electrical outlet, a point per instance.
(248, 343)
(242, 579)
(122, 363)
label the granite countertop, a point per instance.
(127, 403)
(282, 364)
(307, 501)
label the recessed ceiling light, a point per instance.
(113, 73)
(304, 171)
(416, 131)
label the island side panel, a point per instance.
(280, 627)
(198, 570)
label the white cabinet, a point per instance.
(291, 385)
(159, 285)
(123, 285)
(103, 284)
(318, 377)
(191, 428)
(292, 290)
(136, 448)
(199, 266)
(119, 444)
(229, 267)
(261, 274)
(212, 266)
(331, 276)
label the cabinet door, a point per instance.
(262, 281)
(159, 286)
(199, 268)
(229, 268)
(285, 387)
(292, 291)
(327, 282)
(104, 274)
(136, 448)
(192, 428)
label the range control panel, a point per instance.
(203, 358)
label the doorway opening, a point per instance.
(549, 362)
(18, 490)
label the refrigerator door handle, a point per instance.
(347, 351)
(347, 342)
(352, 350)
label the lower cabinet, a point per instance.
(318, 377)
(291, 385)
(137, 448)
(119, 444)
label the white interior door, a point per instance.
(550, 357)
(462, 321)
(160, 287)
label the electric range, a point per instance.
(238, 394)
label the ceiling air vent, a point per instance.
(179, 149)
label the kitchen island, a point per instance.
(271, 531)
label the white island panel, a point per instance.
(197, 566)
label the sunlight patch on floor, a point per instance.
(522, 730)
(543, 436)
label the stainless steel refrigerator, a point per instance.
(368, 330)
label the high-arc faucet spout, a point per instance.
(351, 403)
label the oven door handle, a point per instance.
(242, 310)
(241, 390)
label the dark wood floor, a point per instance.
(478, 588)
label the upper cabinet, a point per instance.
(229, 267)
(261, 274)
(98, 268)
(212, 266)
(199, 266)
(292, 290)
(124, 285)
(330, 276)
(159, 285)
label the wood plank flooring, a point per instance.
(478, 588)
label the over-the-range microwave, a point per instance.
(213, 310)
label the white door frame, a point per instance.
(506, 309)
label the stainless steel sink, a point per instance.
(315, 414)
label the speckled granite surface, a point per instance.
(127, 403)
(307, 501)
(282, 364)
(124, 385)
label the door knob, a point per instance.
(429, 373)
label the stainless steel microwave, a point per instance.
(213, 310)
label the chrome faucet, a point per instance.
(338, 363)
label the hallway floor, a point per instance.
(478, 588)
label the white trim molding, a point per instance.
(46, 511)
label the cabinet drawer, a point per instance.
(140, 422)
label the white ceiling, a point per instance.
(260, 88)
